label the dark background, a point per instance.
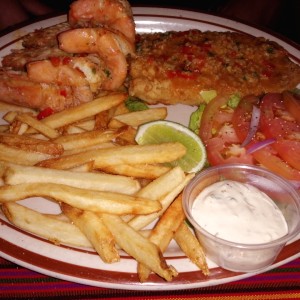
(279, 16)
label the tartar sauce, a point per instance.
(239, 212)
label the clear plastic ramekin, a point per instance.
(241, 257)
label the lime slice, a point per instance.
(158, 132)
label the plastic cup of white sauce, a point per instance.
(242, 256)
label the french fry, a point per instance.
(87, 167)
(131, 154)
(159, 188)
(191, 246)
(95, 230)
(138, 171)
(27, 143)
(163, 232)
(2, 171)
(20, 127)
(93, 147)
(109, 188)
(85, 110)
(38, 136)
(163, 185)
(86, 125)
(96, 201)
(11, 107)
(127, 137)
(38, 125)
(120, 109)
(139, 222)
(137, 118)
(48, 227)
(22, 157)
(72, 129)
(4, 128)
(140, 154)
(102, 119)
(10, 116)
(3, 167)
(60, 216)
(17, 174)
(87, 139)
(16, 126)
(114, 123)
(139, 247)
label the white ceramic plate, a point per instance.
(83, 265)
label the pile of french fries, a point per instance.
(109, 188)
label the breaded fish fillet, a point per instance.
(45, 37)
(18, 59)
(38, 45)
(174, 67)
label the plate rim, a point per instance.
(140, 12)
(131, 284)
(177, 12)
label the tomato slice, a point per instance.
(242, 116)
(275, 164)
(289, 151)
(216, 154)
(216, 131)
(276, 122)
(223, 132)
(209, 118)
(292, 104)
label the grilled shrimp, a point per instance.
(113, 14)
(58, 83)
(17, 88)
(79, 63)
(112, 48)
(73, 71)
(62, 82)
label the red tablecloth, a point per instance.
(19, 283)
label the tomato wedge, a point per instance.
(292, 104)
(242, 116)
(289, 151)
(276, 122)
(208, 120)
(216, 154)
(276, 164)
(219, 137)
(223, 133)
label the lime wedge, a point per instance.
(158, 132)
